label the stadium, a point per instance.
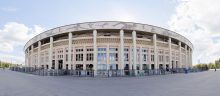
(109, 48)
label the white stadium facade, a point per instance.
(124, 47)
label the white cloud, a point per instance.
(12, 59)
(14, 35)
(198, 20)
(6, 47)
(15, 32)
(9, 9)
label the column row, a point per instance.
(188, 52)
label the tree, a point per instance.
(6, 64)
(211, 66)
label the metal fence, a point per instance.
(102, 73)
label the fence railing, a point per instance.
(102, 73)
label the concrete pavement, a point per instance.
(193, 84)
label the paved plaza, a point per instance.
(193, 84)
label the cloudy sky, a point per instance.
(198, 20)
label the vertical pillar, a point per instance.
(27, 58)
(50, 53)
(107, 56)
(134, 52)
(122, 51)
(69, 50)
(173, 59)
(190, 58)
(186, 62)
(84, 57)
(25, 62)
(39, 55)
(56, 59)
(63, 58)
(170, 53)
(95, 52)
(28, 61)
(155, 51)
(73, 57)
(180, 56)
(149, 58)
(32, 55)
(130, 58)
(141, 58)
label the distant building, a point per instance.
(109, 45)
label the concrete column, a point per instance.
(27, 58)
(25, 62)
(32, 56)
(50, 53)
(155, 51)
(69, 50)
(174, 60)
(84, 57)
(130, 58)
(134, 51)
(149, 58)
(190, 58)
(74, 57)
(64, 60)
(187, 65)
(56, 59)
(107, 56)
(170, 53)
(180, 56)
(39, 55)
(95, 52)
(122, 51)
(141, 58)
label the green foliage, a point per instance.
(211, 66)
(6, 64)
(201, 66)
(217, 64)
(214, 65)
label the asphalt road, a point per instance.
(193, 84)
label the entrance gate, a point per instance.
(126, 70)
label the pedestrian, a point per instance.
(215, 69)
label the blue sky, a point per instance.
(52, 13)
(22, 19)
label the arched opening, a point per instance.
(126, 69)
(60, 64)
